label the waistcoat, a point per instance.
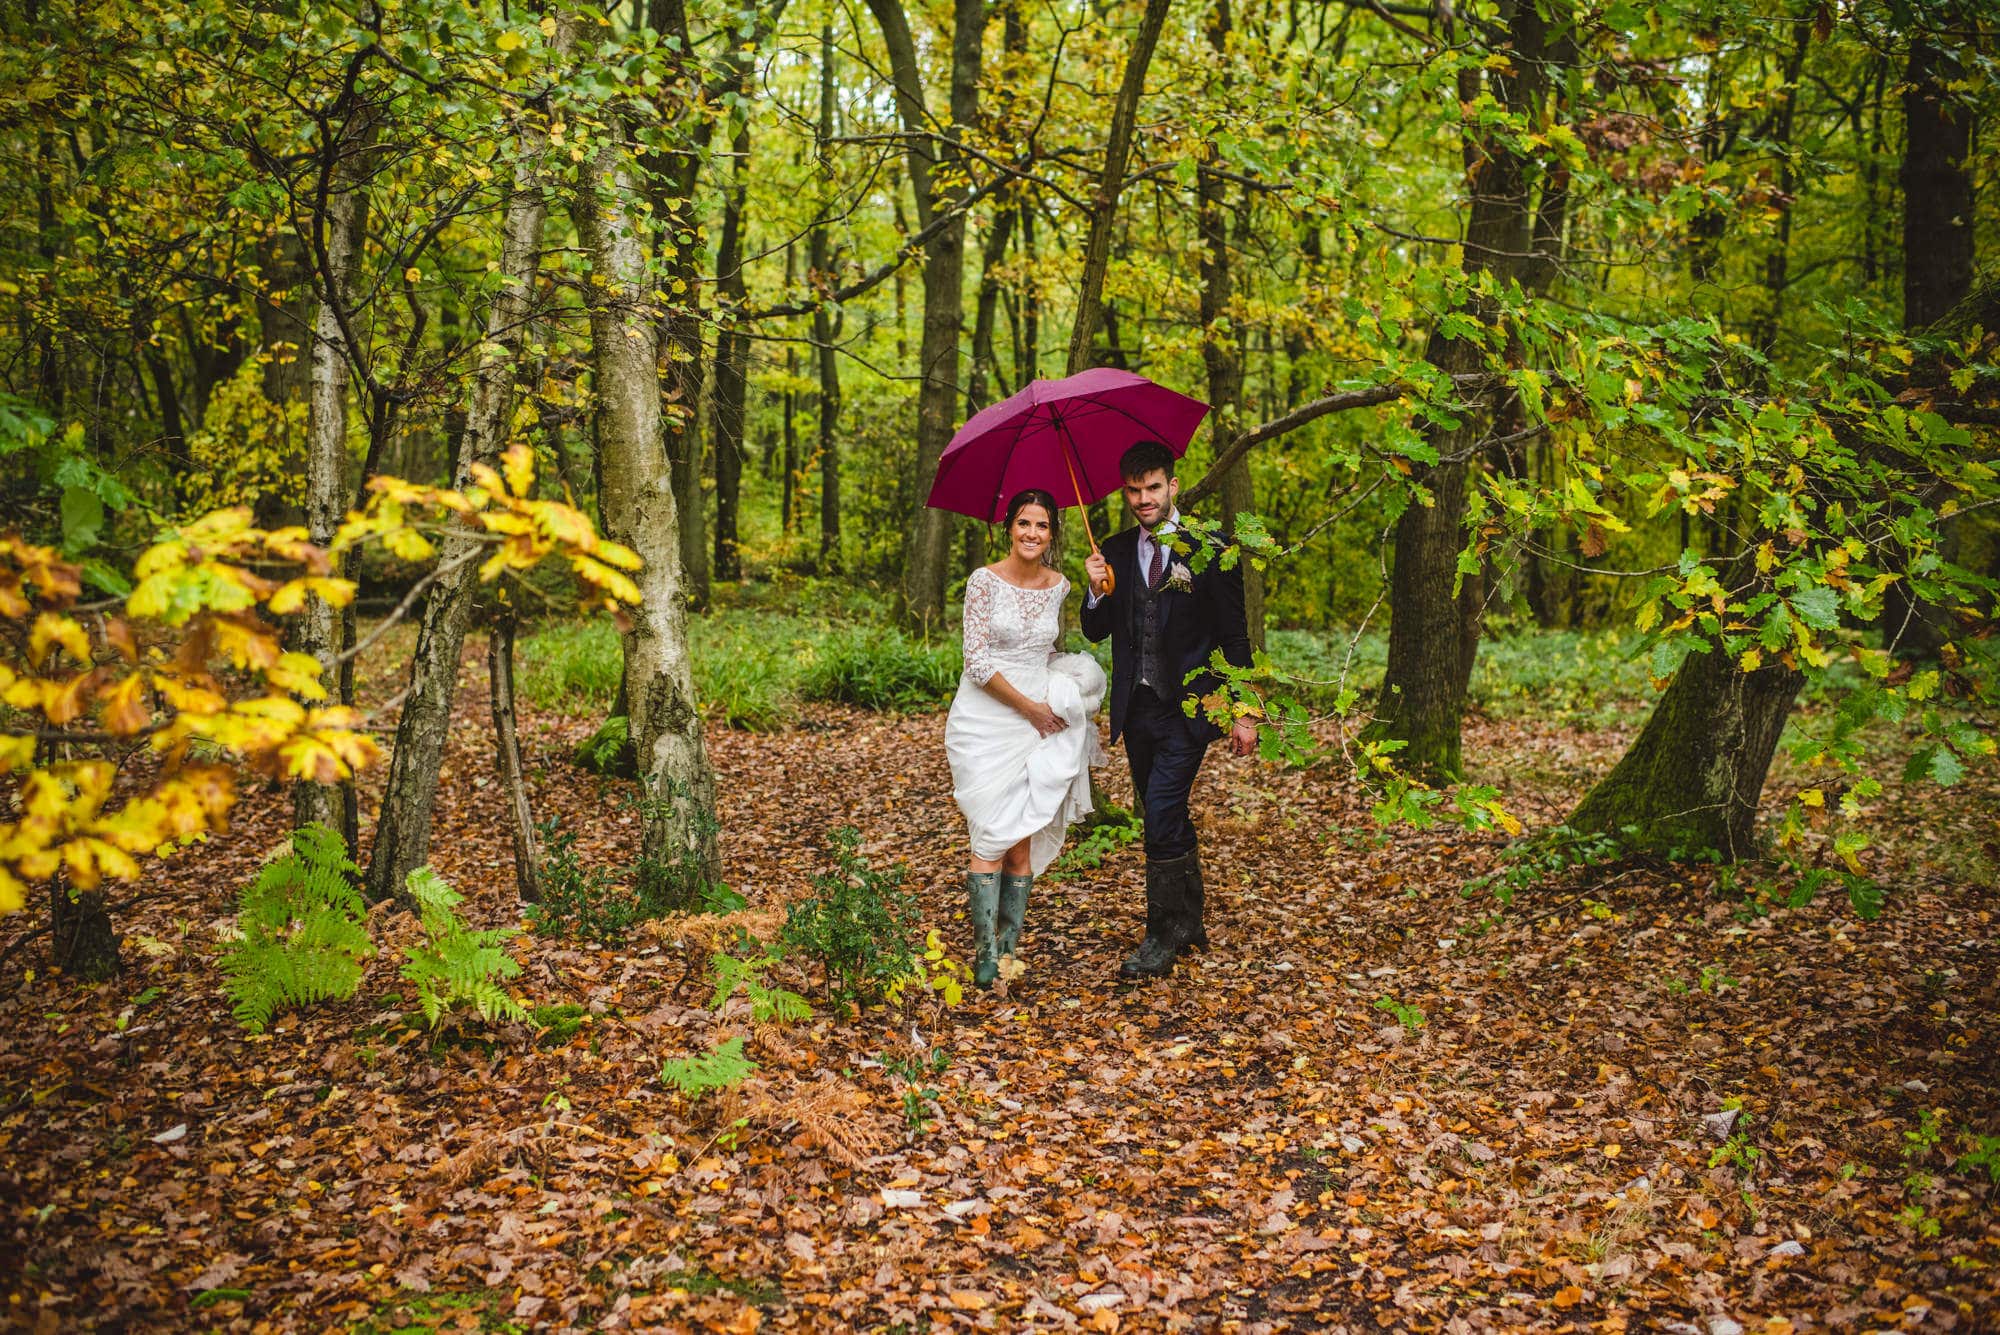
(1151, 669)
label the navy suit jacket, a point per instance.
(1194, 624)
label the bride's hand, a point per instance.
(1047, 722)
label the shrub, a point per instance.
(305, 933)
(859, 925)
(578, 901)
(457, 965)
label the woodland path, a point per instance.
(1256, 1145)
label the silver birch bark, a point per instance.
(637, 502)
(403, 830)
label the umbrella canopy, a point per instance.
(1063, 436)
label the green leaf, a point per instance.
(1818, 606)
(82, 519)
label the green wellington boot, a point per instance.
(982, 905)
(1013, 909)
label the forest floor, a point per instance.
(1375, 1103)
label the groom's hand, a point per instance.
(1099, 572)
(1243, 738)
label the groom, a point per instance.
(1164, 621)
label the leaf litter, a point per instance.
(1372, 1104)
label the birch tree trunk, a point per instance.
(403, 829)
(638, 507)
(342, 216)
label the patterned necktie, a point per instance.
(1159, 566)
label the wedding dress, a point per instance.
(1011, 782)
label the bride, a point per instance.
(1020, 736)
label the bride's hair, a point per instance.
(1036, 496)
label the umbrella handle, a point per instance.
(1110, 580)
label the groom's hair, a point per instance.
(1143, 458)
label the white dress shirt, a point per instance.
(1147, 543)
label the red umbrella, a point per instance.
(1061, 436)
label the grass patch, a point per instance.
(753, 667)
(883, 669)
(756, 663)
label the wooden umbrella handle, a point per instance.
(1110, 580)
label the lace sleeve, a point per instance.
(979, 630)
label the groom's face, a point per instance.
(1150, 496)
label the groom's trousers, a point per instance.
(1165, 754)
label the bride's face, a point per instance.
(1029, 533)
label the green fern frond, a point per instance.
(722, 1068)
(775, 1003)
(304, 931)
(457, 966)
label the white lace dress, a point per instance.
(1011, 782)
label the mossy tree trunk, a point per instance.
(1692, 780)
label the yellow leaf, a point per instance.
(413, 274)
(1752, 660)
(297, 674)
(125, 709)
(1649, 615)
(409, 545)
(508, 41)
(16, 753)
(1812, 797)
(52, 628)
(518, 463)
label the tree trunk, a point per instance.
(638, 507)
(83, 943)
(679, 337)
(342, 221)
(788, 429)
(1777, 262)
(1221, 347)
(1432, 607)
(1104, 204)
(824, 329)
(986, 313)
(507, 757)
(1936, 177)
(926, 555)
(732, 353)
(1692, 780)
(403, 829)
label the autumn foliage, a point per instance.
(190, 667)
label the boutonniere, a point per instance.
(1180, 578)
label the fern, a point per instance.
(722, 1068)
(767, 1003)
(304, 931)
(457, 965)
